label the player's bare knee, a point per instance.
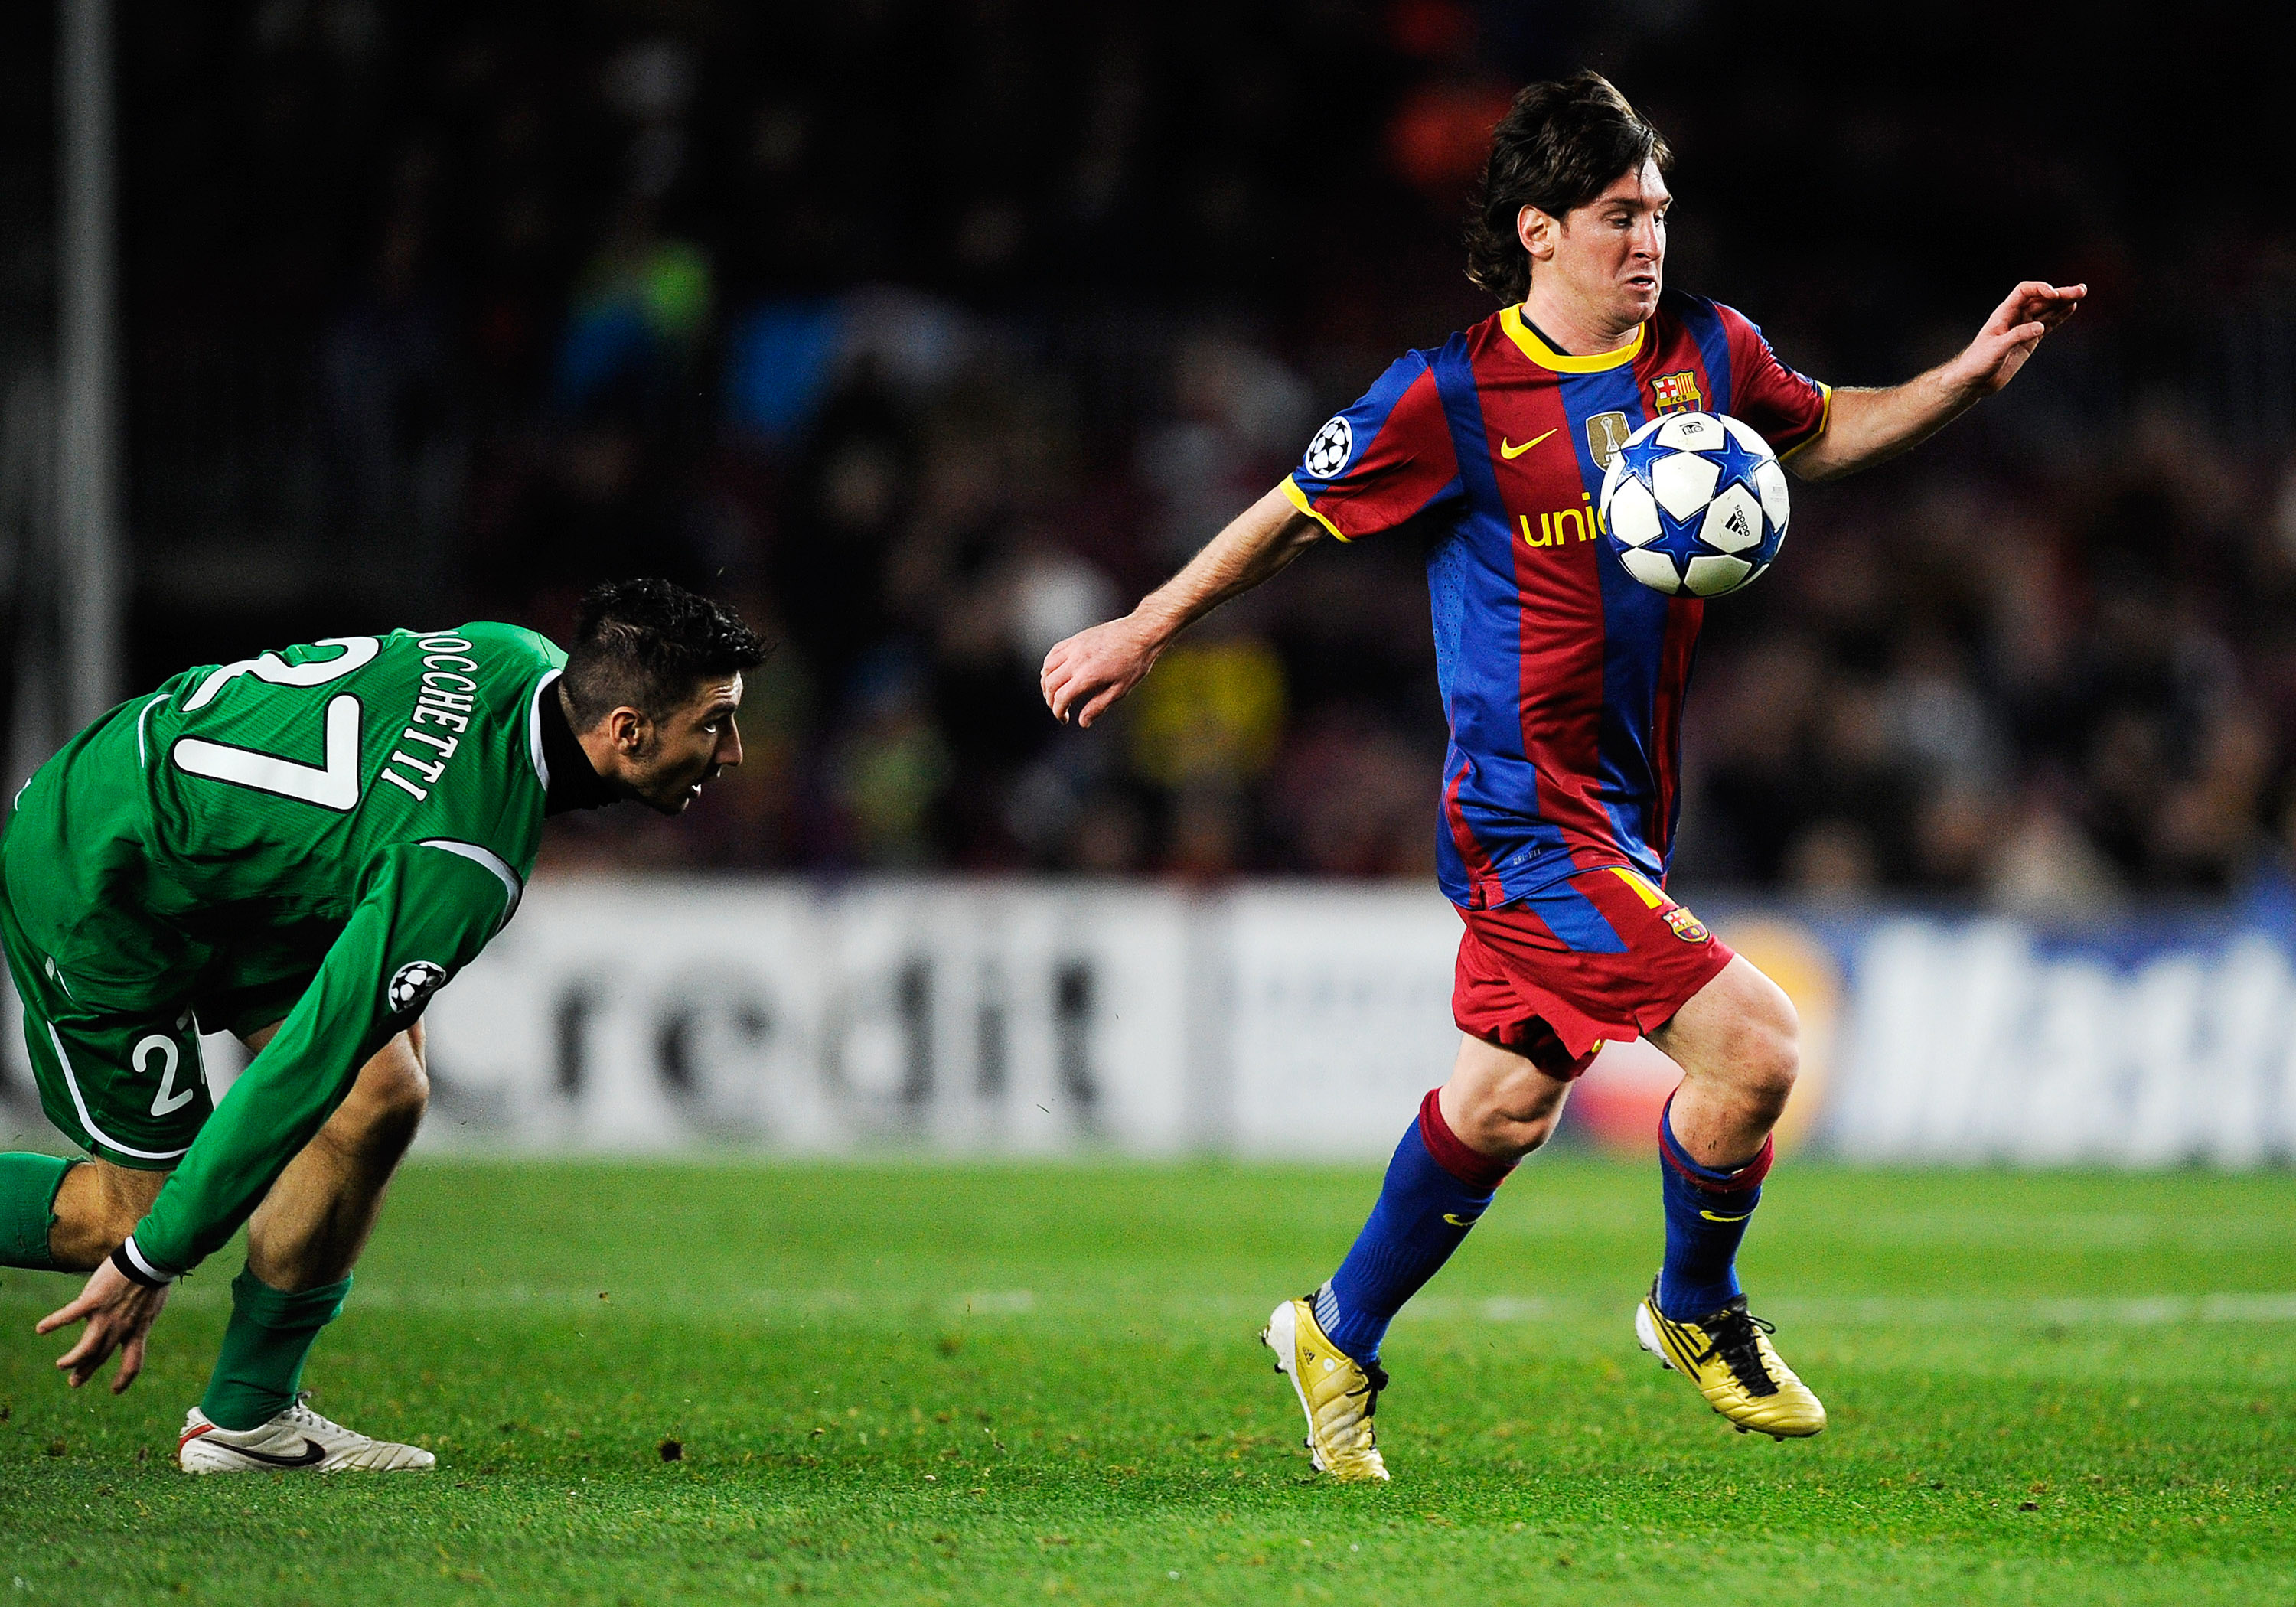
(394, 1089)
(1768, 1062)
(1524, 1134)
(405, 1091)
(1514, 1118)
(1765, 1044)
(1528, 1120)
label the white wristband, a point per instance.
(137, 1266)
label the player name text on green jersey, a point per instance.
(448, 690)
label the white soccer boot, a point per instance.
(297, 1439)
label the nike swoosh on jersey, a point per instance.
(1711, 1216)
(1513, 452)
(313, 1452)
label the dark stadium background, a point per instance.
(930, 331)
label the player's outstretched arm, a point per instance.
(1092, 668)
(1864, 427)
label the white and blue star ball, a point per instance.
(1695, 504)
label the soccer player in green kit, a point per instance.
(301, 847)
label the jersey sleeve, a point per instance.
(428, 911)
(1787, 408)
(1383, 461)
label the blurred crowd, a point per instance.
(2051, 691)
(930, 335)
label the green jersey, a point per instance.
(318, 837)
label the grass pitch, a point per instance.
(926, 1383)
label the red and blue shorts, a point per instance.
(1602, 956)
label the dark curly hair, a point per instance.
(646, 643)
(1560, 145)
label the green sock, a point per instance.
(27, 1208)
(264, 1346)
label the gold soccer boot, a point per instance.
(1338, 1394)
(1728, 1356)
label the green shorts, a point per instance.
(134, 1093)
(129, 1086)
(115, 998)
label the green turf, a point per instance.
(919, 1383)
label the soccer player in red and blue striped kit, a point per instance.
(1563, 681)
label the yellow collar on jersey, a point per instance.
(1511, 319)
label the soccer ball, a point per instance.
(1695, 504)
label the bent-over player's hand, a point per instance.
(1092, 668)
(119, 1312)
(2011, 333)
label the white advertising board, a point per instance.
(1019, 1017)
(634, 1014)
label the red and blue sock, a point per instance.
(1706, 1216)
(1436, 1187)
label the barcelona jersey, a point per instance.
(1563, 677)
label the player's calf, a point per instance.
(1436, 1189)
(302, 1240)
(312, 1225)
(1737, 1043)
(98, 1206)
(1437, 1185)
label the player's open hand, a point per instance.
(1092, 668)
(2014, 330)
(119, 1313)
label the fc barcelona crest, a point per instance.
(1677, 392)
(1606, 432)
(1686, 926)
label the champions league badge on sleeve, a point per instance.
(413, 982)
(1333, 446)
